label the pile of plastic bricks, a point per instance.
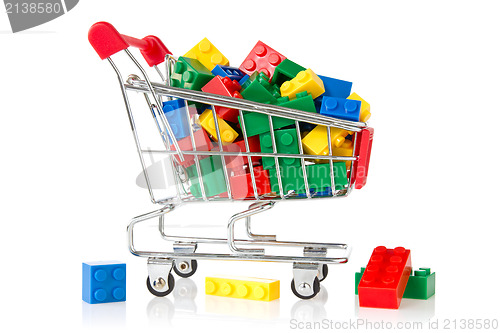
(265, 76)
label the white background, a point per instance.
(431, 73)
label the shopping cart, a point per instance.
(309, 266)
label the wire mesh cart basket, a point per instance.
(210, 168)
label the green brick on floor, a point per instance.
(286, 71)
(286, 143)
(258, 123)
(213, 177)
(190, 74)
(421, 284)
(318, 177)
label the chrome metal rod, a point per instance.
(246, 105)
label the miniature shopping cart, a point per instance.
(310, 263)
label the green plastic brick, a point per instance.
(286, 71)
(318, 177)
(421, 284)
(286, 143)
(258, 89)
(213, 177)
(258, 123)
(190, 74)
(303, 101)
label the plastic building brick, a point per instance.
(245, 288)
(212, 172)
(104, 282)
(241, 185)
(258, 89)
(231, 72)
(363, 150)
(207, 54)
(344, 150)
(175, 112)
(190, 74)
(304, 81)
(336, 88)
(316, 141)
(286, 71)
(286, 143)
(365, 107)
(237, 162)
(262, 58)
(421, 285)
(244, 79)
(384, 280)
(201, 142)
(226, 87)
(227, 133)
(318, 178)
(302, 101)
(258, 123)
(340, 108)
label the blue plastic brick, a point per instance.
(243, 80)
(232, 72)
(175, 111)
(336, 88)
(104, 282)
(340, 108)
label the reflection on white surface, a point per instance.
(161, 310)
(312, 309)
(242, 308)
(409, 310)
(106, 314)
(184, 293)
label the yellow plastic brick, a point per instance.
(304, 81)
(207, 54)
(344, 150)
(245, 288)
(227, 133)
(364, 114)
(316, 141)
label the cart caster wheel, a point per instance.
(324, 273)
(315, 289)
(185, 268)
(171, 284)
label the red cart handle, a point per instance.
(364, 150)
(107, 41)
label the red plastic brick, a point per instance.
(224, 86)
(241, 185)
(202, 143)
(363, 150)
(262, 58)
(236, 163)
(384, 281)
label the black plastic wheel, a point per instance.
(194, 267)
(316, 288)
(325, 272)
(171, 285)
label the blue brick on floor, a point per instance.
(104, 282)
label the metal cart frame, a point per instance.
(308, 269)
